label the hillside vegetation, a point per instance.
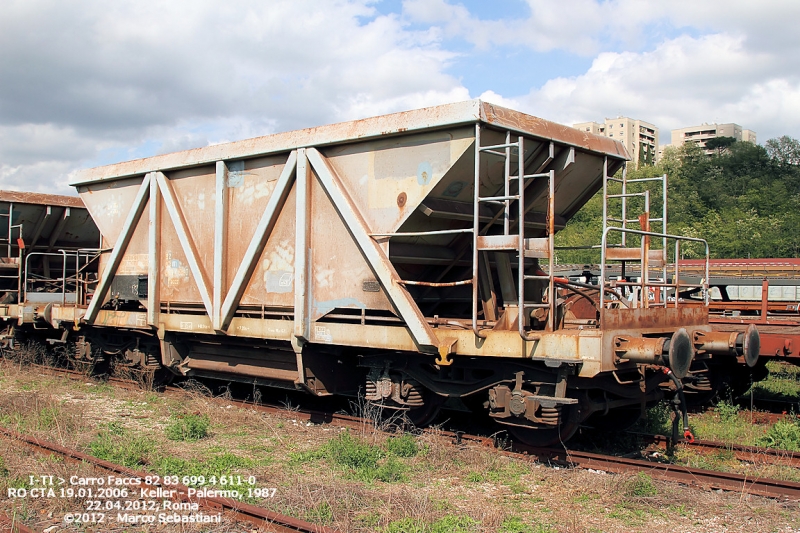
(744, 200)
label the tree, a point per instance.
(784, 150)
(720, 144)
(744, 200)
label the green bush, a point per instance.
(728, 412)
(657, 420)
(405, 446)
(390, 471)
(348, 451)
(188, 427)
(784, 434)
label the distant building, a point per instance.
(639, 137)
(700, 135)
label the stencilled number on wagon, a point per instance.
(321, 333)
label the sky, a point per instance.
(91, 82)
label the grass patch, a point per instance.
(114, 443)
(320, 514)
(188, 427)
(361, 460)
(782, 384)
(725, 424)
(641, 486)
(447, 524)
(515, 524)
(214, 466)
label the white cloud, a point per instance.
(90, 81)
(684, 81)
(162, 76)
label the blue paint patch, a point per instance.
(424, 173)
(323, 308)
(454, 189)
(236, 173)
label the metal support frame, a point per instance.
(185, 239)
(302, 250)
(220, 241)
(59, 228)
(257, 243)
(121, 245)
(378, 261)
(154, 255)
(37, 232)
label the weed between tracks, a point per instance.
(356, 480)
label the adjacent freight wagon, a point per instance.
(407, 258)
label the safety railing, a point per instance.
(645, 284)
(71, 287)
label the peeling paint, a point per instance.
(323, 308)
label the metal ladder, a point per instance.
(10, 245)
(643, 254)
(541, 248)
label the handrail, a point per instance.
(89, 254)
(645, 279)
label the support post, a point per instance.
(154, 254)
(302, 262)
(220, 244)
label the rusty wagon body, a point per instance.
(406, 257)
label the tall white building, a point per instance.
(638, 136)
(700, 135)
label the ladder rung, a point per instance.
(623, 254)
(497, 242)
(498, 198)
(626, 195)
(540, 175)
(536, 306)
(536, 277)
(496, 146)
(499, 154)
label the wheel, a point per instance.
(618, 419)
(425, 415)
(548, 436)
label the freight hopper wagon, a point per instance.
(404, 258)
(48, 251)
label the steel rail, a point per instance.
(751, 454)
(13, 525)
(259, 516)
(696, 477)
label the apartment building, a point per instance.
(701, 134)
(638, 136)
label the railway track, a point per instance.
(696, 477)
(12, 525)
(264, 519)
